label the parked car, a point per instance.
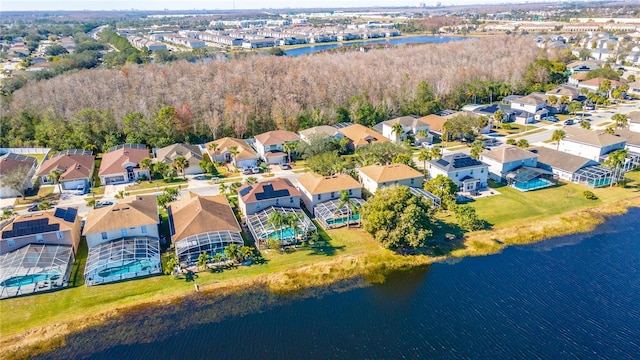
(285, 166)
(568, 122)
(255, 170)
(200, 177)
(589, 107)
(426, 145)
(246, 170)
(33, 207)
(550, 118)
(101, 204)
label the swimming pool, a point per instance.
(30, 279)
(132, 267)
(532, 184)
(600, 182)
(283, 234)
(343, 220)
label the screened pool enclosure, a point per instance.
(263, 230)
(330, 214)
(189, 249)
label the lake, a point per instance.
(391, 41)
(571, 297)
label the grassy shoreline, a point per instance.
(24, 337)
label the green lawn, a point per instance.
(513, 206)
(155, 184)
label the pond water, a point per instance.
(390, 41)
(571, 297)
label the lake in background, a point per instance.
(571, 297)
(391, 41)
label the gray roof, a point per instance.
(632, 137)
(561, 160)
(590, 137)
(634, 117)
(456, 161)
(320, 130)
(531, 99)
(406, 121)
(508, 153)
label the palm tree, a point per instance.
(223, 188)
(251, 180)
(202, 260)
(436, 152)
(161, 168)
(498, 116)
(351, 206)
(609, 131)
(522, 143)
(55, 176)
(291, 220)
(585, 125)
(425, 155)
(232, 252)
(180, 163)
(234, 152)
(397, 130)
(276, 219)
(146, 164)
(557, 136)
(214, 147)
(476, 148)
(616, 160)
(205, 165)
(422, 134)
(622, 121)
(289, 147)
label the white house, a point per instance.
(634, 88)
(275, 192)
(562, 164)
(594, 84)
(534, 103)
(270, 145)
(123, 241)
(374, 177)
(571, 92)
(122, 164)
(468, 173)
(315, 188)
(221, 151)
(506, 158)
(10, 162)
(590, 144)
(191, 153)
(411, 126)
(632, 138)
(634, 121)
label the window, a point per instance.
(319, 196)
(291, 200)
(456, 174)
(333, 194)
(143, 229)
(277, 201)
(350, 191)
(39, 238)
(123, 232)
(104, 236)
(471, 172)
(482, 171)
(11, 243)
(60, 235)
(412, 181)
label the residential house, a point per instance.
(360, 135)
(122, 164)
(634, 88)
(634, 121)
(191, 153)
(275, 192)
(52, 227)
(562, 164)
(571, 92)
(632, 139)
(315, 188)
(123, 240)
(589, 144)
(270, 145)
(576, 79)
(76, 167)
(202, 224)
(583, 66)
(468, 173)
(320, 131)
(505, 158)
(593, 85)
(246, 156)
(37, 251)
(10, 162)
(374, 177)
(435, 123)
(411, 126)
(534, 103)
(487, 111)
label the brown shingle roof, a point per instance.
(193, 214)
(579, 76)
(13, 161)
(318, 184)
(73, 166)
(507, 153)
(49, 215)
(632, 137)
(531, 99)
(393, 172)
(277, 137)
(224, 144)
(435, 122)
(634, 117)
(561, 160)
(590, 137)
(134, 211)
(598, 81)
(270, 189)
(113, 161)
(406, 121)
(362, 135)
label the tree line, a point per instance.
(246, 96)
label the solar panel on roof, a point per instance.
(71, 215)
(59, 213)
(245, 191)
(442, 162)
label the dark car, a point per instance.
(33, 207)
(568, 122)
(285, 166)
(101, 204)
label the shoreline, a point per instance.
(370, 266)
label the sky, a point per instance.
(23, 5)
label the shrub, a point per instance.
(589, 195)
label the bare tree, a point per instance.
(17, 179)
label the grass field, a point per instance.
(143, 185)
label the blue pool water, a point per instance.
(344, 220)
(285, 234)
(600, 183)
(132, 267)
(532, 184)
(30, 279)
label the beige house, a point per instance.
(53, 227)
(320, 131)
(122, 164)
(202, 224)
(191, 153)
(76, 168)
(374, 177)
(315, 188)
(274, 192)
(270, 145)
(411, 126)
(246, 156)
(10, 162)
(360, 135)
